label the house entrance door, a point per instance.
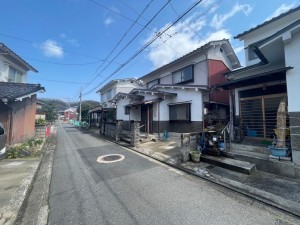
(147, 118)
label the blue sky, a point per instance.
(78, 44)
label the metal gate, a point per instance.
(258, 115)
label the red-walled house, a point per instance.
(70, 114)
(175, 95)
(17, 98)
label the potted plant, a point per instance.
(279, 148)
(195, 155)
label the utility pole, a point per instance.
(80, 95)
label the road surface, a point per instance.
(137, 190)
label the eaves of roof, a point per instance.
(256, 78)
(121, 95)
(280, 32)
(267, 22)
(151, 91)
(13, 91)
(176, 86)
(6, 50)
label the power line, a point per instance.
(132, 9)
(119, 42)
(134, 38)
(43, 45)
(116, 12)
(147, 44)
(59, 81)
(64, 64)
(198, 17)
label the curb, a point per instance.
(260, 195)
(35, 208)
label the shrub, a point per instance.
(30, 148)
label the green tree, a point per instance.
(86, 106)
(50, 112)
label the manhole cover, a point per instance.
(110, 158)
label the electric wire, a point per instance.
(43, 45)
(147, 44)
(119, 42)
(136, 35)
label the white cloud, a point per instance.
(282, 9)
(218, 20)
(63, 35)
(51, 48)
(73, 42)
(108, 21)
(183, 40)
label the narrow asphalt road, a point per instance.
(136, 190)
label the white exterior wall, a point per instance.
(122, 86)
(265, 32)
(4, 68)
(216, 54)
(120, 112)
(186, 95)
(125, 87)
(292, 50)
(135, 111)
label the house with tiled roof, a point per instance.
(104, 117)
(17, 97)
(174, 97)
(271, 75)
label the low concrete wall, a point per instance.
(110, 130)
(190, 140)
(40, 131)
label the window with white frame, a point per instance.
(109, 94)
(183, 75)
(180, 112)
(14, 75)
(152, 83)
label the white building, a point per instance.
(271, 74)
(173, 96)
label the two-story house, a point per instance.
(271, 74)
(105, 115)
(173, 97)
(17, 97)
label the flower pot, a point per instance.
(195, 156)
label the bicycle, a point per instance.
(238, 133)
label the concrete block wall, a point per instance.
(40, 131)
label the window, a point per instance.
(251, 54)
(180, 112)
(184, 75)
(14, 75)
(127, 110)
(108, 95)
(152, 83)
